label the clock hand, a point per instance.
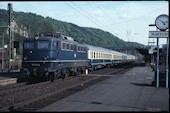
(162, 21)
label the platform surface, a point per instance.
(132, 91)
(7, 80)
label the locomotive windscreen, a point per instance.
(28, 45)
(43, 44)
(36, 44)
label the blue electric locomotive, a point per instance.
(50, 55)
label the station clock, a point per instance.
(162, 22)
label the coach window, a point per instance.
(91, 54)
(94, 55)
(114, 56)
(119, 57)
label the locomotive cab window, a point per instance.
(54, 45)
(43, 44)
(29, 45)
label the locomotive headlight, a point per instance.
(46, 58)
(45, 69)
(25, 58)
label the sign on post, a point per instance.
(158, 34)
(151, 50)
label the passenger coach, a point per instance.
(101, 57)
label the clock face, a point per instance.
(162, 22)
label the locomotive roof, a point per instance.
(50, 38)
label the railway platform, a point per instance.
(8, 78)
(131, 91)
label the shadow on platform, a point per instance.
(142, 84)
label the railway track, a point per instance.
(58, 95)
(35, 96)
(11, 86)
(30, 92)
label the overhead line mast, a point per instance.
(10, 39)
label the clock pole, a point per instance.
(161, 23)
(167, 49)
(157, 64)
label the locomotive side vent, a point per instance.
(96, 103)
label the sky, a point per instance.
(128, 20)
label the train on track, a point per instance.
(52, 55)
